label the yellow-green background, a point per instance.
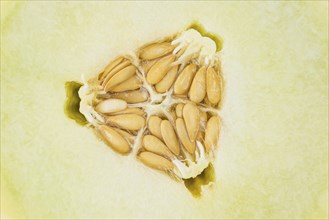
(273, 158)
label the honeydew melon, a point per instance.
(273, 158)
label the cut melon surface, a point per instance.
(273, 155)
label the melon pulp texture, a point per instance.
(272, 160)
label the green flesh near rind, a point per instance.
(194, 184)
(217, 39)
(72, 103)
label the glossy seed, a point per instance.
(147, 65)
(183, 136)
(155, 145)
(213, 86)
(111, 105)
(212, 133)
(154, 126)
(114, 139)
(135, 96)
(169, 136)
(115, 70)
(130, 84)
(155, 161)
(120, 77)
(159, 69)
(179, 110)
(184, 80)
(191, 117)
(198, 88)
(127, 121)
(111, 66)
(155, 50)
(167, 81)
(130, 138)
(136, 111)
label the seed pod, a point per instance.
(213, 86)
(111, 105)
(154, 126)
(167, 81)
(111, 66)
(130, 138)
(115, 70)
(128, 121)
(159, 69)
(191, 117)
(198, 87)
(183, 136)
(120, 77)
(114, 139)
(155, 50)
(130, 84)
(179, 110)
(169, 136)
(134, 96)
(155, 145)
(184, 80)
(147, 65)
(136, 111)
(155, 161)
(212, 133)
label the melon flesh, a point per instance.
(273, 157)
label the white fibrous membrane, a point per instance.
(195, 46)
(86, 108)
(192, 169)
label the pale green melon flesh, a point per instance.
(273, 157)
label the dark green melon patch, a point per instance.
(217, 39)
(194, 184)
(72, 103)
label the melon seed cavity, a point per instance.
(160, 104)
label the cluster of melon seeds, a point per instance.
(160, 104)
